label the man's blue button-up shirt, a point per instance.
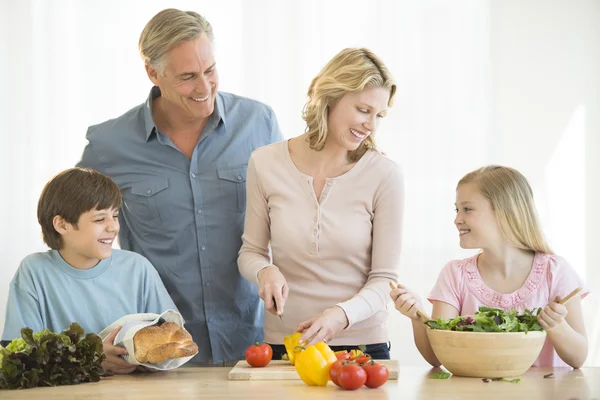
(187, 215)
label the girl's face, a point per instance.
(475, 219)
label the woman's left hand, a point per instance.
(552, 315)
(324, 327)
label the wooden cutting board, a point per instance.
(283, 370)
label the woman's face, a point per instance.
(355, 116)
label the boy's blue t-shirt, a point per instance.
(46, 292)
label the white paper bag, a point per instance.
(133, 323)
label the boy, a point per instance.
(82, 279)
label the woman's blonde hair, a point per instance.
(350, 71)
(168, 29)
(512, 201)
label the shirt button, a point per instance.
(199, 211)
(207, 284)
(239, 177)
(324, 196)
(328, 183)
(210, 319)
(315, 231)
(314, 245)
(203, 247)
(149, 191)
(193, 175)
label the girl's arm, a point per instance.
(407, 303)
(566, 330)
(440, 310)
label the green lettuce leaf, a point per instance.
(46, 358)
(489, 319)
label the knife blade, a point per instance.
(280, 315)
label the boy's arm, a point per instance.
(22, 310)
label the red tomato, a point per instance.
(362, 359)
(259, 355)
(333, 371)
(342, 355)
(351, 376)
(377, 374)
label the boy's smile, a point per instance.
(91, 239)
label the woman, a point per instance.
(330, 207)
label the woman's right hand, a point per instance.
(273, 289)
(406, 301)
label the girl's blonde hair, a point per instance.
(512, 201)
(167, 30)
(350, 71)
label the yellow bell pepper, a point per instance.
(313, 363)
(354, 354)
(290, 343)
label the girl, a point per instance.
(515, 268)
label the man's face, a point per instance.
(190, 80)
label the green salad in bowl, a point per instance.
(489, 319)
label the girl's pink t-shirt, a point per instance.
(460, 285)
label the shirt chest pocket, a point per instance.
(232, 182)
(142, 202)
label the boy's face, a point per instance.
(91, 241)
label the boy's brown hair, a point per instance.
(72, 193)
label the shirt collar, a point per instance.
(218, 114)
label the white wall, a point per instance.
(510, 82)
(545, 58)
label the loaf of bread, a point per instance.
(157, 343)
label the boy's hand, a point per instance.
(141, 368)
(113, 361)
(406, 302)
(552, 315)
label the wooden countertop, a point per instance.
(412, 383)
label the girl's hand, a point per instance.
(552, 315)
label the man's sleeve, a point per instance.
(275, 131)
(90, 158)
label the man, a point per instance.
(180, 161)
